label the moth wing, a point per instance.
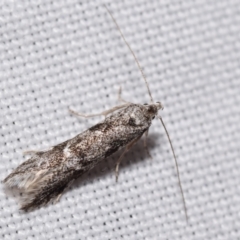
(48, 186)
(40, 185)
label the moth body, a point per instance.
(47, 173)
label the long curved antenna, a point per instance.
(164, 126)
(135, 58)
(177, 170)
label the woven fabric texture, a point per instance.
(60, 54)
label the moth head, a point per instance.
(152, 109)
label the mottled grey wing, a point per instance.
(42, 178)
(49, 187)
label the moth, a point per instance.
(46, 174)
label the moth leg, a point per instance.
(60, 194)
(30, 152)
(118, 163)
(145, 144)
(121, 156)
(120, 99)
(104, 113)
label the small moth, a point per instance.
(47, 174)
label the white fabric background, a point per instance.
(56, 54)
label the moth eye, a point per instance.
(151, 110)
(132, 122)
(145, 104)
(153, 117)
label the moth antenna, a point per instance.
(177, 169)
(164, 126)
(133, 54)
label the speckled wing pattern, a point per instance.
(47, 173)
